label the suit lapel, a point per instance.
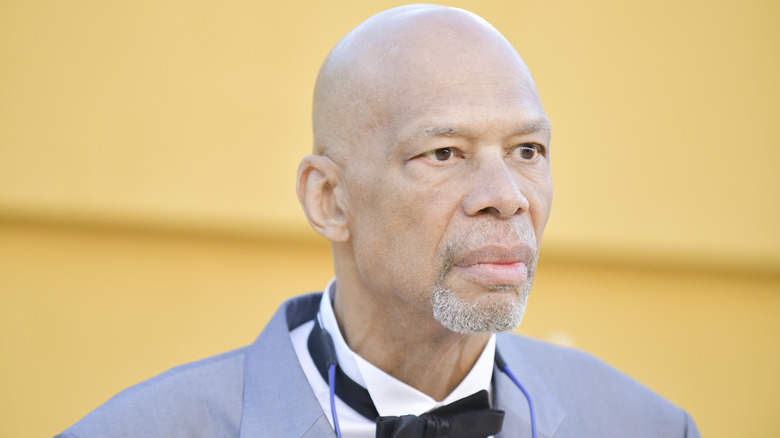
(278, 400)
(509, 398)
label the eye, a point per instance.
(441, 154)
(528, 151)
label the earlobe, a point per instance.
(319, 189)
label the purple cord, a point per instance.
(527, 397)
(332, 385)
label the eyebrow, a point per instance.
(540, 125)
(435, 131)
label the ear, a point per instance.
(321, 196)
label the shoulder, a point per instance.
(595, 395)
(202, 398)
(206, 398)
(562, 366)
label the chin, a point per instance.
(500, 311)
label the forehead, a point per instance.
(487, 87)
(470, 113)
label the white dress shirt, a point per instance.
(390, 395)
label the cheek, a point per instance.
(405, 201)
(381, 221)
(396, 236)
(540, 205)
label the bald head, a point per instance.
(387, 61)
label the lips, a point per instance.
(496, 265)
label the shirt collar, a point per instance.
(390, 395)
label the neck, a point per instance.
(406, 342)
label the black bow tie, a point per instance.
(470, 417)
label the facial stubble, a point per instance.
(499, 309)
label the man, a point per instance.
(431, 178)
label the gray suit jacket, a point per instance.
(261, 391)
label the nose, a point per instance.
(494, 190)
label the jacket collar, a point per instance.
(278, 400)
(509, 398)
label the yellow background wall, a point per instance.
(147, 213)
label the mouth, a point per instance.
(512, 274)
(496, 265)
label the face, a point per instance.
(449, 196)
